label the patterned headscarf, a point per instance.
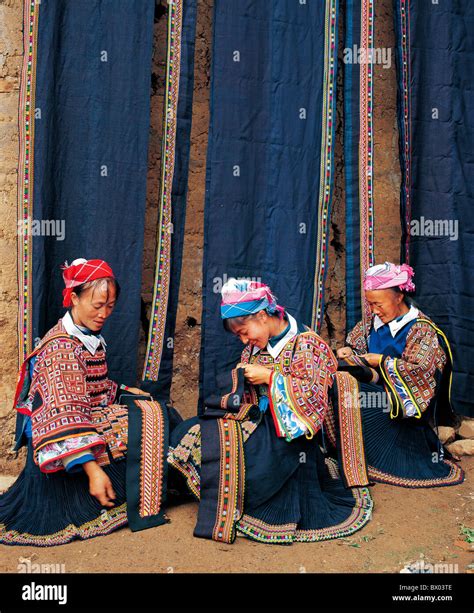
(81, 271)
(384, 276)
(242, 297)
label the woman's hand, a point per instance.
(372, 358)
(344, 352)
(100, 485)
(256, 374)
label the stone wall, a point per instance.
(187, 341)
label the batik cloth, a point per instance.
(177, 119)
(358, 128)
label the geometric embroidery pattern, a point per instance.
(308, 365)
(151, 464)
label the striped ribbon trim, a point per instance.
(152, 458)
(327, 156)
(231, 481)
(26, 122)
(161, 290)
(403, 17)
(350, 431)
(366, 146)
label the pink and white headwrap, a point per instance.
(384, 276)
(242, 297)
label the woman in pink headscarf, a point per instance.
(403, 363)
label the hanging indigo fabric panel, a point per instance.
(84, 121)
(157, 373)
(435, 52)
(270, 160)
(358, 153)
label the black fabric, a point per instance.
(264, 211)
(90, 156)
(225, 385)
(135, 468)
(230, 393)
(435, 45)
(362, 372)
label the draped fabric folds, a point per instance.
(358, 153)
(270, 160)
(158, 368)
(84, 122)
(435, 47)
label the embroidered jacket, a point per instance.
(413, 379)
(68, 388)
(303, 368)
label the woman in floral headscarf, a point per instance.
(403, 363)
(286, 490)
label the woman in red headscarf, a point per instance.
(403, 363)
(73, 484)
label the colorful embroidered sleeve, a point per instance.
(74, 462)
(299, 401)
(411, 379)
(60, 404)
(357, 340)
(69, 453)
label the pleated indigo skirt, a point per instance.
(403, 451)
(52, 509)
(292, 491)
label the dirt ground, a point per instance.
(408, 525)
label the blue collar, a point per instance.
(274, 339)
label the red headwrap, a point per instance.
(81, 271)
